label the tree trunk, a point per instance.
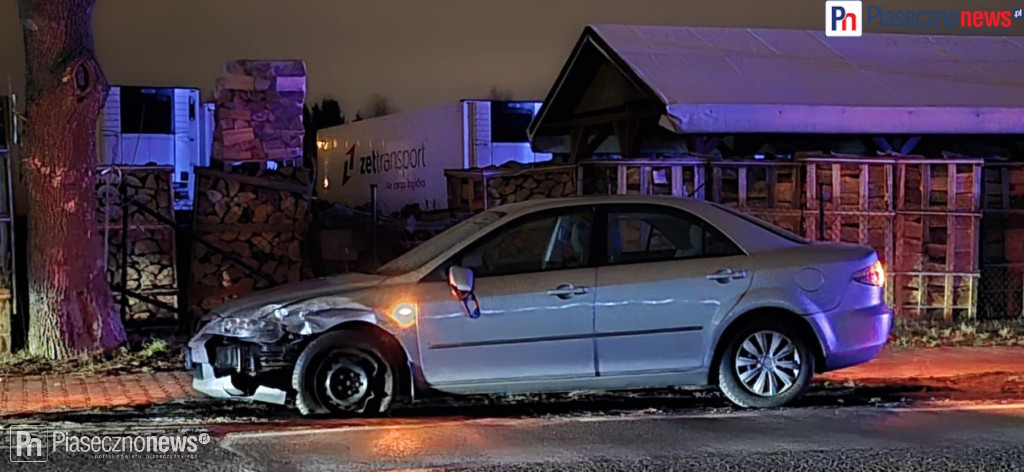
(72, 309)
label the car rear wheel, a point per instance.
(765, 365)
(341, 374)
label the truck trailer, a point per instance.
(405, 154)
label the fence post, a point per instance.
(124, 249)
(821, 211)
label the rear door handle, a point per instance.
(567, 291)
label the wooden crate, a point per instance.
(1002, 238)
(935, 296)
(791, 221)
(869, 229)
(938, 185)
(941, 242)
(757, 185)
(480, 189)
(677, 177)
(1001, 291)
(849, 183)
(1003, 186)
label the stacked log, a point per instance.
(151, 266)
(259, 111)
(480, 189)
(258, 222)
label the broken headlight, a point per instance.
(258, 329)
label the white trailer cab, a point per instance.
(406, 154)
(166, 126)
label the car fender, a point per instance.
(758, 298)
(319, 322)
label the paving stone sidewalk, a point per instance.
(21, 395)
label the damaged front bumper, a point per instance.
(209, 384)
(225, 368)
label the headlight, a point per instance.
(256, 328)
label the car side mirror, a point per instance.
(460, 279)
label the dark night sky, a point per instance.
(416, 52)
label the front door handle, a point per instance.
(567, 291)
(725, 275)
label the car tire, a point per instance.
(751, 378)
(342, 373)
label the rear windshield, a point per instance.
(783, 233)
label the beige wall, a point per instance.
(417, 53)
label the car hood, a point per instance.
(299, 292)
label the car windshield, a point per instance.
(425, 252)
(783, 233)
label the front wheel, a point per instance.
(342, 374)
(766, 365)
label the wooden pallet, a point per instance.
(791, 221)
(1003, 187)
(942, 242)
(952, 185)
(480, 189)
(757, 185)
(849, 183)
(677, 177)
(1002, 238)
(935, 296)
(869, 229)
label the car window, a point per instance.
(650, 234)
(548, 241)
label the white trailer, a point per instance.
(166, 126)
(406, 154)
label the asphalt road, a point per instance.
(806, 438)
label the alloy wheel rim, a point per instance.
(767, 363)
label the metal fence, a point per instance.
(1001, 292)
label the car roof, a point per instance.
(529, 206)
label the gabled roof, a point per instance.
(733, 80)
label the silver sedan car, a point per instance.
(590, 293)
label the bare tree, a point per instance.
(72, 309)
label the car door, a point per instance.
(667, 273)
(534, 284)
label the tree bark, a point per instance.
(72, 309)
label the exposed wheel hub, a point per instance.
(347, 382)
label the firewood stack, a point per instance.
(856, 194)
(260, 222)
(259, 111)
(938, 210)
(151, 255)
(478, 189)
(770, 190)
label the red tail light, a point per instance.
(874, 275)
